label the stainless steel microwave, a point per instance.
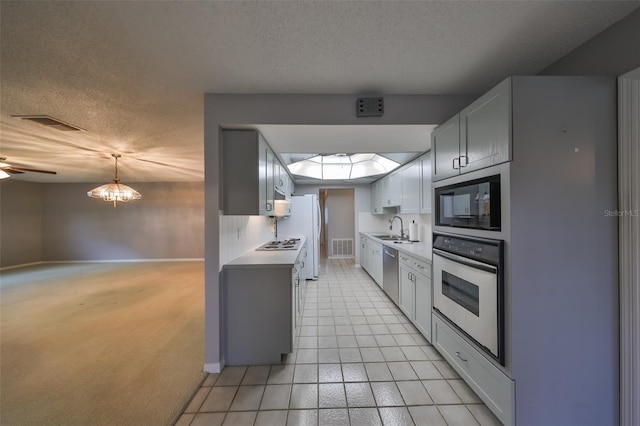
(472, 204)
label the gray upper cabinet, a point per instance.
(247, 174)
(376, 202)
(410, 180)
(478, 137)
(485, 129)
(445, 148)
(425, 183)
(392, 190)
(266, 203)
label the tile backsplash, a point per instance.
(239, 234)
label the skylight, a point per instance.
(342, 166)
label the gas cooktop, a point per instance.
(288, 244)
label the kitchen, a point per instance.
(216, 231)
(496, 195)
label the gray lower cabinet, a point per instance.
(258, 321)
(415, 292)
(407, 296)
(423, 303)
(371, 258)
(261, 308)
(494, 387)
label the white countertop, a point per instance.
(422, 249)
(265, 259)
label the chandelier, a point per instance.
(116, 191)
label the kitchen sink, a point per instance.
(386, 236)
(390, 237)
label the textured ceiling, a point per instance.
(133, 74)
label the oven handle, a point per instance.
(467, 262)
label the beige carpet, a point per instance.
(100, 343)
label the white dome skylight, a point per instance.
(343, 166)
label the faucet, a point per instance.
(401, 226)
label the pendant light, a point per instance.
(116, 191)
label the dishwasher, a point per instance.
(390, 273)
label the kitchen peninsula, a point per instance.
(262, 293)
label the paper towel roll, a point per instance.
(413, 231)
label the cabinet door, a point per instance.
(376, 205)
(363, 253)
(392, 188)
(445, 149)
(270, 181)
(410, 183)
(280, 177)
(295, 289)
(263, 171)
(407, 292)
(376, 263)
(485, 129)
(425, 183)
(423, 305)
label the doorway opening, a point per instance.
(337, 219)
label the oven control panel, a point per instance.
(484, 250)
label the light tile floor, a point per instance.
(358, 361)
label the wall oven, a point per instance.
(468, 288)
(472, 204)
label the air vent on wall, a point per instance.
(48, 121)
(370, 107)
(342, 247)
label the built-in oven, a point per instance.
(468, 288)
(471, 204)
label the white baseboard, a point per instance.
(214, 367)
(53, 262)
(24, 265)
(186, 259)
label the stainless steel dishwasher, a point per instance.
(390, 273)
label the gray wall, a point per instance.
(58, 222)
(361, 204)
(20, 222)
(340, 216)
(222, 110)
(167, 223)
(614, 51)
(563, 270)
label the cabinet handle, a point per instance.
(302, 266)
(466, 161)
(269, 207)
(454, 163)
(460, 356)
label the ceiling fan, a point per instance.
(6, 170)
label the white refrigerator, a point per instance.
(305, 221)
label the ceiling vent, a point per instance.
(370, 107)
(48, 121)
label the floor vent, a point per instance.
(342, 247)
